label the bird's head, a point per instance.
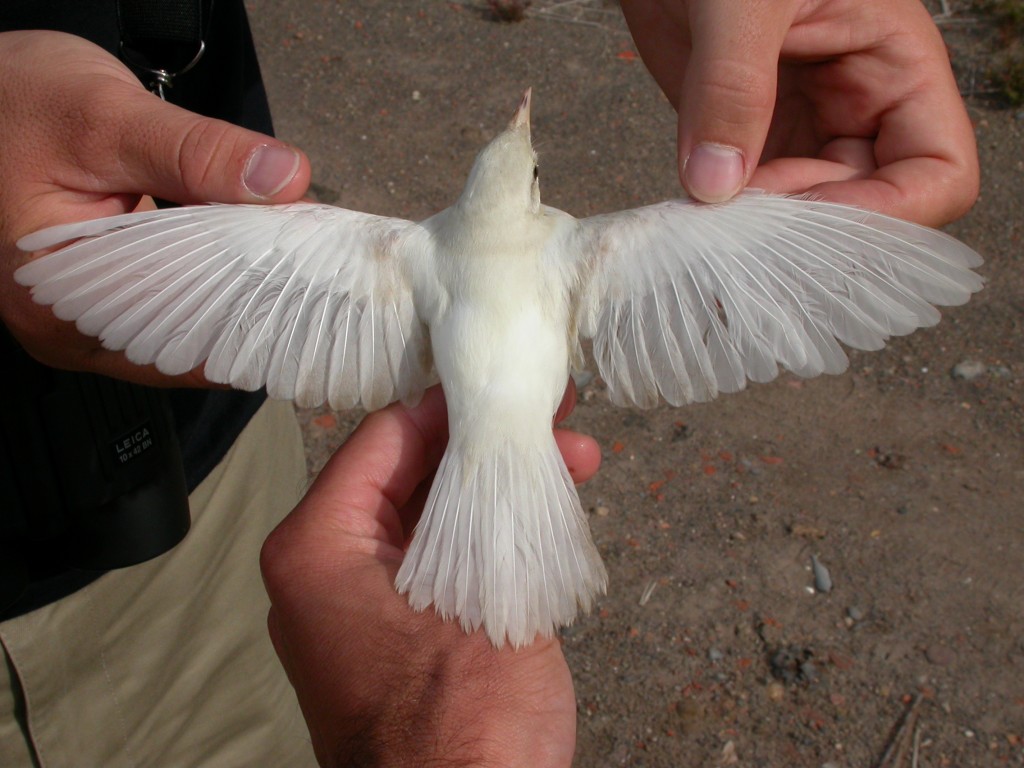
(505, 177)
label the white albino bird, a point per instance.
(494, 294)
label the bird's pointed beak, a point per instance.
(522, 115)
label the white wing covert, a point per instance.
(685, 300)
(313, 301)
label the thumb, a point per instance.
(169, 152)
(728, 93)
(91, 138)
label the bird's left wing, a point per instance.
(685, 300)
(313, 301)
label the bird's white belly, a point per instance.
(502, 365)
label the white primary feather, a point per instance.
(313, 301)
(686, 300)
(682, 300)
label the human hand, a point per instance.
(380, 684)
(80, 138)
(852, 100)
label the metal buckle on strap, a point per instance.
(161, 77)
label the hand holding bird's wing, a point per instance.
(686, 300)
(314, 301)
(54, 171)
(853, 101)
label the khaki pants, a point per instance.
(168, 663)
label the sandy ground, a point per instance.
(906, 482)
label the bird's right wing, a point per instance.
(685, 300)
(313, 301)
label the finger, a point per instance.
(927, 169)
(900, 140)
(411, 512)
(728, 93)
(662, 37)
(94, 131)
(116, 138)
(178, 155)
(842, 159)
(375, 473)
(581, 453)
(349, 517)
(568, 402)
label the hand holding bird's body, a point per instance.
(492, 296)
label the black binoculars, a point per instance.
(91, 476)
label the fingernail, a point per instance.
(269, 169)
(713, 172)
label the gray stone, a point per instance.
(822, 578)
(968, 370)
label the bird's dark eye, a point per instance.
(536, 173)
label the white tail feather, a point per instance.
(503, 544)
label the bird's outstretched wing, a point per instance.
(685, 300)
(313, 301)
